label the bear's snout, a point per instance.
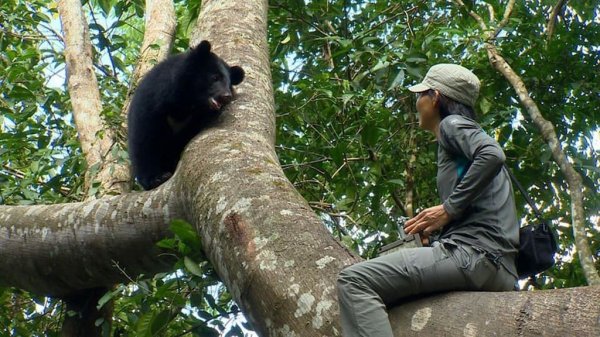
(221, 100)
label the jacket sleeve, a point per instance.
(463, 137)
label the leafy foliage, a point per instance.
(347, 129)
(38, 148)
(191, 301)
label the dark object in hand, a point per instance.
(404, 240)
(409, 241)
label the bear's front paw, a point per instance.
(159, 180)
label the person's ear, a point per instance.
(436, 98)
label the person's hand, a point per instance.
(428, 221)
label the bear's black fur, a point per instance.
(174, 101)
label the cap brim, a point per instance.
(419, 88)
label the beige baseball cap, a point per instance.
(453, 81)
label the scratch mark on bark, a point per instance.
(236, 229)
(524, 316)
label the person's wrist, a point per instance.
(447, 211)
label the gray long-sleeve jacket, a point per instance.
(476, 190)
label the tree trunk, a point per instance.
(112, 173)
(82, 314)
(95, 138)
(103, 167)
(267, 245)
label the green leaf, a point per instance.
(398, 80)
(485, 105)
(144, 325)
(381, 64)
(107, 297)
(106, 6)
(168, 243)
(416, 59)
(196, 300)
(400, 182)
(160, 322)
(186, 233)
(346, 98)
(192, 266)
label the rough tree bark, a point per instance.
(562, 312)
(272, 252)
(62, 249)
(573, 178)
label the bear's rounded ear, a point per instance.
(236, 74)
(203, 48)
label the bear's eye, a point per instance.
(214, 77)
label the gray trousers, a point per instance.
(365, 289)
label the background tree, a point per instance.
(346, 139)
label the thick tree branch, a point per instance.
(492, 12)
(262, 238)
(156, 46)
(82, 82)
(61, 249)
(560, 312)
(574, 180)
(96, 140)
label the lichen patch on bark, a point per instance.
(470, 330)
(322, 262)
(268, 260)
(285, 331)
(420, 319)
(260, 242)
(305, 303)
(293, 290)
(321, 309)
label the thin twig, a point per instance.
(64, 191)
(103, 36)
(507, 12)
(552, 19)
(474, 15)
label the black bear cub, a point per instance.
(174, 101)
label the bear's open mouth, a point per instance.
(214, 104)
